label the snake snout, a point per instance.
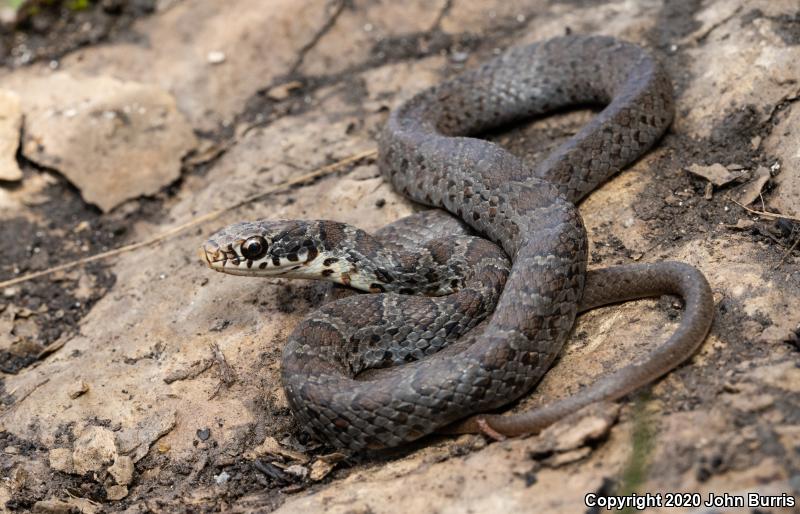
(210, 253)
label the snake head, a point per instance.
(263, 248)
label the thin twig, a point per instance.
(192, 371)
(788, 252)
(17, 401)
(226, 375)
(319, 172)
(767, 213)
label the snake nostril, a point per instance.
(202, 252)
(209, 252)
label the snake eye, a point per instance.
(254, 248)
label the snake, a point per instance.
(464, 311)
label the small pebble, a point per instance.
(203, 434)
(459, 56)
(116, 492)
(78, 389)
(216, 57)
(297, 470)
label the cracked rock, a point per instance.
(113, 140)
(94, 450)
(10, 123)
(68, 506)
(784, 142)
(136, 440)
(61, 460)
(122, 470)
(575, 431)
(116, 492)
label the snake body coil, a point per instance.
(427, 154)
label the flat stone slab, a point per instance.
(10, 122)
(113, 140)
(785, 143)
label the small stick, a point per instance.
(788, 252)
(21, 399)
(226, 376)
(767, 213)
(225, 370)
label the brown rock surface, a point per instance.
(260, 42)
(785, 142)
(113, 140)
(183, 364)
(93, 450)
(10, 123)
(122, 470)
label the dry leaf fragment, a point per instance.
(324, 464)
(716, 173)
(750, 192)
(742, 224)
(273, 447)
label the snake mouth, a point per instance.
(215, 257)
(225, 259)
(202, 252)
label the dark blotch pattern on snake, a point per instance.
(427, 155)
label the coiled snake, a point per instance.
(529, 211)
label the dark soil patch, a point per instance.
(28, 462)
(69, 230)
(49, 29)
(55, 306)
(261, 109)
(786, 26)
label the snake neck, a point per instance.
(354, 258)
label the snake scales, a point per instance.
(448, 371)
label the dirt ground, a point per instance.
(144, 382)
